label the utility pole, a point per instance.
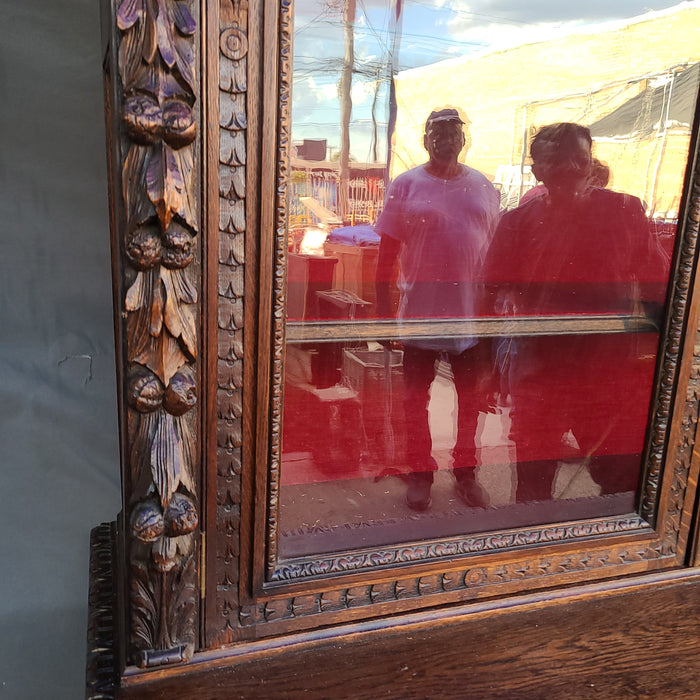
(345, 88)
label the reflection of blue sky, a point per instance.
(430, 31)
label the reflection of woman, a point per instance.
(577, 249)
(437, 221)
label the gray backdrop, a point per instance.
(58, 424)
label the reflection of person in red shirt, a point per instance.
(437, 222)
(575, 250)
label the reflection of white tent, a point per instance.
(590, 78)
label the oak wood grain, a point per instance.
(634, 642)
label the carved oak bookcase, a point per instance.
(191, 594)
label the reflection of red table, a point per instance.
(306, 275)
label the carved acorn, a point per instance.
(178, 251)
(179, 126)
(148, 122)
(181, 394)
(180, 516)
(144, 390)
(143, 118)
(143, 248)
(147, 523)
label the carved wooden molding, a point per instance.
(677, 316)
(452, 547)
(232, 111)
(159, 252)
(284, 124)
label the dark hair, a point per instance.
(563, 135)
(600, 174)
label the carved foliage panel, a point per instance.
(160, 260)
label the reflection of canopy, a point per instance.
(642, 114)
(326, 216)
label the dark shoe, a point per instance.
(418, 494)
(471, 493)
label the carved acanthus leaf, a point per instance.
(138, 207)
(167, 463)
(139, 292)
(164, 34)
(184, 158)
(161, 297)
(144, 608)
(184, 56)
(137, 43)
(174, 24)
(145, 300)
(178, 317)
(142, 485)
(165, 184)
(182, 18)
(156, 27)
(182, 593)
(130, 12)
(162, 355)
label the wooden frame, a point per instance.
(192, 563)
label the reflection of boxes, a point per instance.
(363, 367)
(381, 401)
